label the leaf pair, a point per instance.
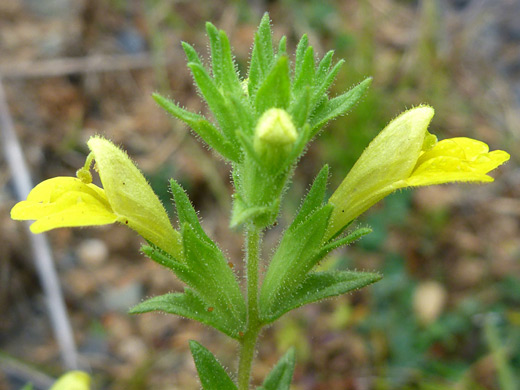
(223, 93)
(214, 295)
(288, 283)
(214, 377)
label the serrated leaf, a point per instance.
(321, 87)
(186, 213)
(299, 108)
(294, 257)
(191, 53)
(301, 49)
(305, 76)
(262, 55)
(216, 52)
(244, 112)
(211, 373)
(318, 286)
(314, 198)
(282, 47)
(347, 240)
(201, 126)
(216, 101)
(281, 375)
(187, 305)
(161, 257)
(275, 89)
(215, 281)
(230, 79)
(223, 65)
(338, 105)
(323, 67)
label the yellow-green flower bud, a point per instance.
(73, 380)
(275, 136)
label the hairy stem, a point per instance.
(248, 343)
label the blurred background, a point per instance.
(447, 313)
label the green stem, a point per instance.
(248, 343)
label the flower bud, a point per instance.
(275, 136)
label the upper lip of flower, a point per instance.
(64, 201)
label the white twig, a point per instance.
(63, 66)
(21, 371)
(42, 254)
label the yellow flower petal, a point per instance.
(73, 209)
(64, 202)
(51, 189)
(73, 380)
(456, 160)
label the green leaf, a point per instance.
(161, 257)
(301, 49)
(211, 373)
(299, 108)
(282, 47)
(191, 53)
(201, 126)
(281, 375)
(243, 213)
(186, 213)
(295, 256)
(243, 110)
(216, 52)
(305, 76)
(28, 386)
(262, 55)
(223, 65)
(216, 101)
(349, 239)
(215, 280)
(319, 286)
(275, 89)
(321, 87)
(323, 67)
(188, 305)
(314, 198)
(338, 105)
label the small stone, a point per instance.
(122, 298)
(93, 252)
(428, 301)
(132, 349)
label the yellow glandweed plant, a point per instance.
(263, 124)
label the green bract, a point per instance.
(297, 94)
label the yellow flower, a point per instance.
(73, 380)
(403, 155)
(126, 197)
